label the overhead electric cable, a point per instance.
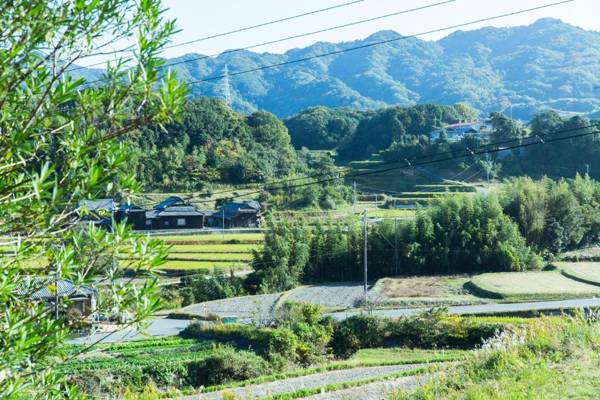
(217, 35)
(532, 141)
(381, 42)
(287, 38)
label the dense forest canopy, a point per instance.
(212, 143)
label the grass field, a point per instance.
(522, 286)
(588, 272)
(123, 357)
(211, 256)
(399, 354)
(214, 248)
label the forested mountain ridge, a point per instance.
(549, 64)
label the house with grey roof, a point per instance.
(175, 213)
(238, 214)
(82, 298)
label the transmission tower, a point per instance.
(226, 89)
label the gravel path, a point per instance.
(373, 391)
(305, 382)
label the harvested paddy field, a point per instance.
(521, 286)
(588, 272)
(424, 291)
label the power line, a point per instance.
(217, 35)
(265, 24)
(536, 140)
(287, 38)
(301, 35)
(406, 161)
(381, 42)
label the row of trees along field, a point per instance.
(460, 234)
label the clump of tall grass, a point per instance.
(523, 361)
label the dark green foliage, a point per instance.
(322, 127)
(299, 335)
(212, 143)
(279, 266)
(227, 365)
(563, 158)
(397, 125)
(201, 288)
(312, 332)
(358, 332)
(431, 329)
(555, 215)
(467, 234)
(458, 234)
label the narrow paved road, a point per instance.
(156, 327)
(170, 327)
(306, 382)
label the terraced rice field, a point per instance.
(202, 252)
(588, 272)
(520, 286)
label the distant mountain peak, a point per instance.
(548, 64)
(383, 35)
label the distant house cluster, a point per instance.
(175, 213)
(456, 132)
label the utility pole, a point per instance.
(223, 230)
(376, 201)
(396, 245)
(354, 197)
(365, 255)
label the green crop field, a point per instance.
(202, 265)
(211, 256)
(588, 272)
(530, 286)
(213, 248)
(145, 353)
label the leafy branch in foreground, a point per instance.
(61, 143)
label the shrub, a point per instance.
(361, 331)
(432, 329)
(282, 347)
(227, 365)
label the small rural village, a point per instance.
(369, 199)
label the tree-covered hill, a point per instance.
(548, 64)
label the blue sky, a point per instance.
(200, 18)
